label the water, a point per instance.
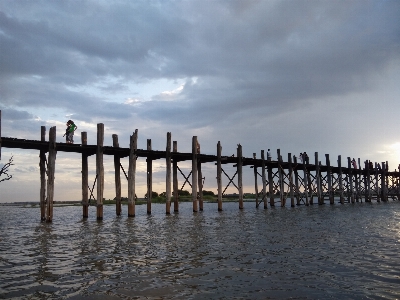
(316, 252)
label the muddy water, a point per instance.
(317, 252)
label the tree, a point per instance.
(4, 170)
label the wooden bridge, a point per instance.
(301, 182)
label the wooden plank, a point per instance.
(85, 178)
(117, 174)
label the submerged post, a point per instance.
(51, 165)
(132, 173)
(383, 182)
(350, 176)
(117, 169)
(318, 179)
(200, 182)
(100, 170)
(168, 175)
(281, 183)
(270, 184)
(240, 175)
(149, 177)
(194, 173)
(329, 180)
(42, 166)
(219, 173)
(175, 177)
(85, 178)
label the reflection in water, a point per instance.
(339, 251)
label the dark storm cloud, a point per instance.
(249, 57)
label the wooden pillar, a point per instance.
(200, 183)
(378, 194)
(51, 165)
(291, 180)
(318, 179)
(383, 182)
(264, 180)
(168, 175)
(305, 181)
(310, 191)
(175, 177)
(296, 180)
(240, 175)
(270, 184)
(367, 182)
(255, 179)
(350, 176)
(356, 182)
(194, 173)
(219, 178)
(0, 134)
(281, 184)
(117, 170)
(340, 179)
(100, 170)
(132, 173)
(329, 180)
(42, 166)
(149, 162)
(85, 178)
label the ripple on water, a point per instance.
(340, 251)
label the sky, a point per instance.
(304, 75)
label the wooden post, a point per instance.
(200, 183)
(132, 173)
(264, 180)
(378, 194)
(117, 169)
(270, 184)
(168, 175)
(296, 180)
(318, 179)
(51, 165)
(305, 181)
(310, 190)
(383, 182)
(100, 170)
(281, 185)
(356, 181)
(219, 178)
(366, 181)
(291, 180)
(85, 178)
(240, 175)
(329, 179)
(42, 166)
(175, 177)
(149, 162)
(0, 134)
(194, 173)
(255, 180)
(350, 176)
(340, 179)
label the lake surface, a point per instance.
(348, 251)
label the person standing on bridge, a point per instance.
(69, 132)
